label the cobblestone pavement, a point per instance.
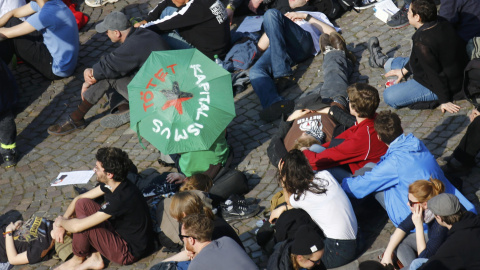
(26, 188)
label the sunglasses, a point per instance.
(316, 262)
(412, 203)
(181, 236)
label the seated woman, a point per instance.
(27, 242)
(436, 62)
(188, 202)
(410, 245)
(322, 198)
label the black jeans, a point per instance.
(116, 90)
(8, 130)
(30, 48)
(469, 146)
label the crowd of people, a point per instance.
(333, 149)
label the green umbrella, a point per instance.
(180, 101)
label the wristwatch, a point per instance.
(308, 17)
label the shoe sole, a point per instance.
(368, 6)
(115, 120)
(370, 49)
(65, 132)
(231, 217)
(399, 26)
(103, 3)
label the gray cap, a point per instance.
(444, 204)
(114, 21)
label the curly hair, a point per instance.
(114, 161)
(297, 175)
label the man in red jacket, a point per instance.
(357, 145)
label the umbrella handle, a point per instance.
(139, 138)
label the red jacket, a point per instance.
(360, 146)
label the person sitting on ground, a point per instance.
(357, 145)
(288, 40)
(322, 198)
(206, 253)
(114, 70)
(459, 249)
(407, 160)
(8, 130)
(120, 229)
(462, 159)
(47, 40)
(9, 5)
(305, 251)
(437, 61)
(409, 245)
(201, 24)
(187, 203)
(27, 242)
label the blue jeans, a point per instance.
(406, 93)
(289, 44)
(173, 38)
(417, 263)
(338, 252)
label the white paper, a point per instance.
(72, 178)
(251, 24)
(385, 9)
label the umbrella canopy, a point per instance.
(180, 101)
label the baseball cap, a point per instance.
(444, 204)
(114, 21)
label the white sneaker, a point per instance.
(98, 3)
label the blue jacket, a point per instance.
(406, 161)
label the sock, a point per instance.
(80, 112)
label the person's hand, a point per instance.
(14, 226)
(88, 76)
(449, 107)
(190, 254)
(417, 216)
(395, 72)
(474, 114)
(85, 87)
(3, 37)
(297, 114)
(253, 5)
(176, 178)
(138, 24)
(296, 16)
(230, 15)
(276, 213)
(387, 259)
(57, 234)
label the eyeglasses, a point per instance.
(181, 236)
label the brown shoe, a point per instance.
(66, 128)
(338, 42)
(324, 42)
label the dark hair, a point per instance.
(297, 175)
(114, 161)
(388, 126)
(426, 9)
(451, 219)
(198, 226)
(364, 99)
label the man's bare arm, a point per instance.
(20, 12)
(76, 225)
(91, 194)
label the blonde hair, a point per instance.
(295, 264)
(424, 190)
(305, 141)
(186, 203)
(197, 181)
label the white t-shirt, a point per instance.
(332, 210)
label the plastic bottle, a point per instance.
(218, 60)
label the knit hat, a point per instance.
(114, 21)
(307, 241)
(444, 204)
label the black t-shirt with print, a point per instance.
(34, 238)
(130, 217)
